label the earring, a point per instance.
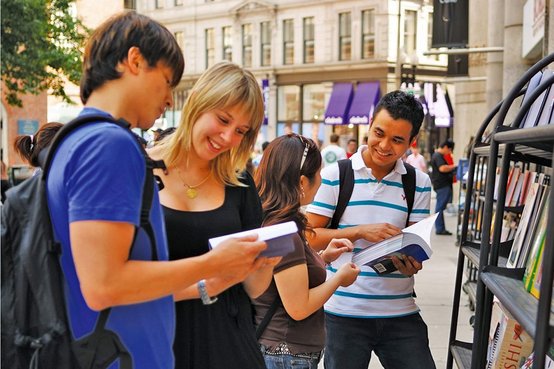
(302, 193)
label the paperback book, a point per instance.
(279, 238)
(414, 241)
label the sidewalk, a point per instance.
(435, 290)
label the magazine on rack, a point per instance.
(413, 241)
(279, 238)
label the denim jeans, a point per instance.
(444, 196)
(400, 343)
(284, 361)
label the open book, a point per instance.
(279, 238)
(414, 240)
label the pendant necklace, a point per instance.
(192, 191)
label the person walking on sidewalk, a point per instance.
(377, 313)
(287, 179)
(441, 178)
(94, 191)
(333, 152)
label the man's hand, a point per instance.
(377, 232)
(236, 258)
(407, 265)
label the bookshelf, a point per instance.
(500, 145)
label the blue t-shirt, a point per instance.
(98, 174)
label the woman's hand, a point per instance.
(336, 248)
(347, 274)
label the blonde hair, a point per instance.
(223, 86)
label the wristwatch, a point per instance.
(206, 299)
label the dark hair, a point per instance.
(29, 147)
(448, 143)
(110, 42)
(401, 105)
(334, 138)
(278, 176)
(163, 133)
(265, 144)
(353, 140)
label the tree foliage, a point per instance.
(41, 48)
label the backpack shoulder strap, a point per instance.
(267, 318)
(409, 184)
(346, 186)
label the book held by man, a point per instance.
(414, 241)
(277, 236)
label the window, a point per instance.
(288, 41)
(159, 4)
(129, 4)
(309, 40)
(288, 98)
(210, 47)
(430, 35)
(265, 47)
(227, 43)
(180, 38)
(345, 36)
(368, 34)
(247, 45)
(410, 26)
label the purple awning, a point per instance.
(366, 97)
(340, 100)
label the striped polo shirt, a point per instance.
(372, 295)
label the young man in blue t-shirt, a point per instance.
(131, 65)
(377, 313)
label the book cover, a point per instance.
(279, 238)
(533, 83)
(536, 244)
(537, 279)
(509, 344)
(533, 228)
(414, 241)
(523, 228)
(546, 115)
(535, 110)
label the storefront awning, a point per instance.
(443, 109)
(339, 103)
(366, 97)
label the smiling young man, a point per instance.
(378, 312)
(95, 189)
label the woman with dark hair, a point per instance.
(287, 179)
(28, 147)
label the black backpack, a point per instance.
(346, 179)
(35, 330)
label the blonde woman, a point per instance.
(207, 193)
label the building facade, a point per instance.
(314, 59)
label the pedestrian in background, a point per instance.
(28, 147)
(351, 147)
(208, 194)
(442, 177)
(415, 159)
(94, 190)
(333, 152)
(287, 179)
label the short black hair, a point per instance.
(401, 105)
(448, 143)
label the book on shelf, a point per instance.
(535, 110)
(546, 115)
(279, 238)
(536, 245)
(414, 241)
(509, 345)
(535, 285)
(529, 177)
(513, 178)
(548, 360)
(522, 231)
(531, 85)
(533, 227)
